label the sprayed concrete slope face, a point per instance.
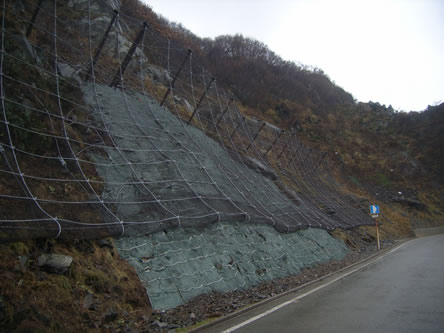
(179, 264)
(163, 175)
(161, 172)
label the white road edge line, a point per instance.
(297, 298)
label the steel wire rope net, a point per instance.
(86, 150)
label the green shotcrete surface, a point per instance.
(162, 173)
(179, 264)
(193, 218)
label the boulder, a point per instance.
(88, 302)
(159, 324)
(54, 263)
(69, 72)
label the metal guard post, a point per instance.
(320, 161)
(102, 43)
(306, 157)
(288, 142)
(34, 16)
(238, 125)
(175, 77)
(255, 137)
(201, 99)
(224, 111)
(294, 156)
(274, 142)
(121, 70)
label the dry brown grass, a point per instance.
(38, 301)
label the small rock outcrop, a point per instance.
(414, 203)
(54, 263)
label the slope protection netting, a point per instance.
(109, 128)
(179, 264)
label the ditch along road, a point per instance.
(400, 290)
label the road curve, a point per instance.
(402, 292)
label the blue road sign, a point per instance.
(374, 209)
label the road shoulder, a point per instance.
(255, 311)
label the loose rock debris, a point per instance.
(215, 305)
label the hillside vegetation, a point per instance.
(394, 155)
(375, 155)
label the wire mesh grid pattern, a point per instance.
(180, 264)
(110, 129)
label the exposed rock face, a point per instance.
(114, 4)
(158, 74)
(262, 168)
(414, 203)
(404, 197)
(116, 44)
(68, 71)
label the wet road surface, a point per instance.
(402, 292)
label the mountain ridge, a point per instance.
(327, 117)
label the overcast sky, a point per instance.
(387, 51)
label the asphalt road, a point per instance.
(402, 292)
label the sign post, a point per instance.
(374, 210)
(377, 233)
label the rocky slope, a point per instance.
(375, 155)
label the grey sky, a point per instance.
(387, 51)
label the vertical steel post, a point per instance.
(320, 161)
(175, 77)
(119, 74)
(255, 137)
(201, 99)
(294, 156)
(377, 233)
(102, 43)
(306, 156)
(237, 127)
(224, 111)
(285, 146)
(274, 142)
(34, 16)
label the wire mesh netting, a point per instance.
(180, 264)
(110, 129)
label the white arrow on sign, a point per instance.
(374, 209)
